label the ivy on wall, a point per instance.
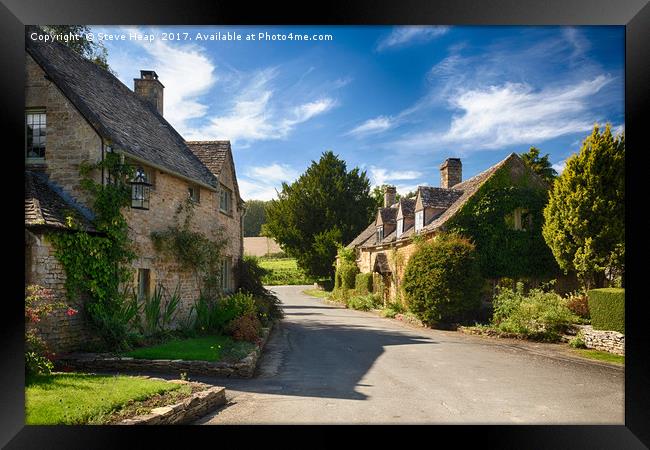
(98, 264)
(487, 218)
(193, 250)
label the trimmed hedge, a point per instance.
(607, 308)
(363, 283)
(346, 275)
(442, 281)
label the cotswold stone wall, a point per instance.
(62, 333)
(608, 341)
(70, 139)
(231, 222)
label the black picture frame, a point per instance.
(633, 14)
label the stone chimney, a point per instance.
(451, 173)
(149, 88)
(389, 195)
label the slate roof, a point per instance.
(213, 155)
(435, 196)
(119, 115)
(388, 215)
(48, 206)
(408, 206)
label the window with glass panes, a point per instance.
(36, 130)
(225, 200)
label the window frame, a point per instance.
(144, 186)
(38, 159)
(197, 191)
(380, 233)
(225, 190)
(419, 220)
(400, 227)
(226, 274)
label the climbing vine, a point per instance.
(97, 264)
(487, 217)
(192, 250)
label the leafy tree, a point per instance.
(91, 50)
(541, 165)
(585, 217)
(255, 217)
(378, 194)
(327, 206)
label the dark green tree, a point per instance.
(585, 216)
(91, 50)
(255, 217)
(540, 165)
(327, 206)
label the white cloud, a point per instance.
(370, 126)
(403, 35)
(559, 166)
(184, 70)
(261, 182)
(514, 113)
(254, 116)
(380, 175)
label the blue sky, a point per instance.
(395, 101)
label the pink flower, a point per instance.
(71, 312)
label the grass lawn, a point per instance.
(204, 348)
(76, 398)
(317, 293)
(600, 356)
(283, 271)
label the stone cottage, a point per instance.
(386, 245)
(76, 112)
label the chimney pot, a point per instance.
(150, 88)
(390, 193)
(451, 173)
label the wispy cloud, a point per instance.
(403, 35)
(380, 175)
(370, 126)
(185, 70)
(261, 182)
(253, 114)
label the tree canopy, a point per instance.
(91, 50)
(540, 164)
(254, 218)
(327, 206)
(585, 216)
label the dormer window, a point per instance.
(380, 234)
(400, 227)
(419, 220)
(140, 189)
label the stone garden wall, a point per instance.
(608, 341)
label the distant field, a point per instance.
(283, 271)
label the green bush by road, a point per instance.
(281, 271)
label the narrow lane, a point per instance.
(327, 364)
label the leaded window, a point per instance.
(36, 134)
(140, 189)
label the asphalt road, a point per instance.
(326, 364)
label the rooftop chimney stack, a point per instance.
(389, 195)
(451, 173)
(149, 88)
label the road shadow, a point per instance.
(319, 359)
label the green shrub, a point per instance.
(577, 342)
(442, 281)
(537, 315)
(363, 283)
(363, 302)
(607, 308)
(249, 274)
(245, 328)
(348, 271)
(392, 310)
(578, 303)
